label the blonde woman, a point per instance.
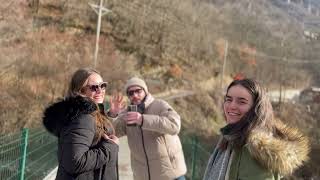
(87, 146)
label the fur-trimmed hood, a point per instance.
(283, 153)
(60, 113)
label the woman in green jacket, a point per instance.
(254, 145)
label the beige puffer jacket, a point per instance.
(155, 147)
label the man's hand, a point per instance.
(133, 118)
(117, 104)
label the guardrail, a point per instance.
(196, 156)
(32, 154)
(29, 154)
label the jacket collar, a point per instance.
(149, 99)
(282, 153)
(65, 110)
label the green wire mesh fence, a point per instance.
(30, 154)
(9, 149)
(196, 155)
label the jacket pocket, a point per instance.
(170, 152)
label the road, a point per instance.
(286, 95)
(125, 172)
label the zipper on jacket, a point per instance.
(145, 153)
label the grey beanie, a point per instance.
(135, 81)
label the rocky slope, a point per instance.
(173, 44)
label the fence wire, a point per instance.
(29, 154)
(196, 155)
(40, 156)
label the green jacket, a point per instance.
(265, 156)
(243, 166)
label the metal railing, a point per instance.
(196, 155)
(32, 154)
(29, 154)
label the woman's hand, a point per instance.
(117, 104)
(114, 139)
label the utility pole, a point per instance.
(250, 6)
(309, 7)
(224, 63)
(282, 73)
(100, 10)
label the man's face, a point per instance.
(136, 94)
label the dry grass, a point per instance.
(177, 46)
(40, 73)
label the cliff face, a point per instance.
(188, 33)
(173, 44)
(165, 41)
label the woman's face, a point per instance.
(237, 103)
(95, 88)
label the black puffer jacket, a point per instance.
(74, 125)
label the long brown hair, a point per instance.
(103, 126)
(78, 81)
(260, 114)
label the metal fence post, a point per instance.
(24, 144)
(194, 156)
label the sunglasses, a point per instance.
(95, 87)
(132, 92)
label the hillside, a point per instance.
(173, 44)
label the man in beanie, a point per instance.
(152, 130)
